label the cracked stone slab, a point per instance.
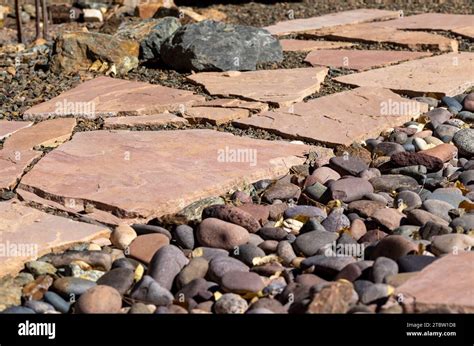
(281, 86)
(72, 207)
(13, 165)
(447, 74)
(360, 59)
(330, 20)
(162, 119)
(289, 45)
(446, 284)
(7, 127)
(341, 118)
(215, 115)
(49, 133)
(17, 153)
(151, 174)
(234, 103)
(457, 23)
(27, 233)
(379, 33)
(106, 97)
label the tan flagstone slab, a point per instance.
(27, 233)
(435, 21)
(234, 103)
(341, 118)
(330, 20)
(49, 133)
(150, 174)
(105, 96)
(447, 74)
(447, 285)
(144, 121)
(282, 86)
(8, 127)
(289, 45)
(379, 33)
(360, 59)
(215, 115)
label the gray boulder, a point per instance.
(216, 46)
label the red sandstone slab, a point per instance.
(105, 96)
(215, 115)
(435, 21)
(379, 33)
(162, 119)
(49, 133)
(13, 165)
(7, 127)
(447, 74)
(309, 45)
(360, 59)
(27, 233)
(281, 87)
(445, 285)
(17, 153)
(150, 174)
(330, 20)
(341, 118)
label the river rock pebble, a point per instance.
(309, 243)
(100, 300)
(242, 282)
(220, 234)
(150, 291)
(122, 236)
(230, 303)
(119, 278)
(233, 215)
(166, 264)
(184, 236)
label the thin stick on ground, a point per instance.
(37, 19)
(18, 21)
(45, 19)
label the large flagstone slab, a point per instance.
(341, 118)
(330, 20)
(150, 174)
(27, 233)
(144, 121)
(435, 21)
(9, 127)
(379, 33)
(360, 59)
(105, 97)
(289, 45)
(281, 87)
(446, 285)
(447, 74)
